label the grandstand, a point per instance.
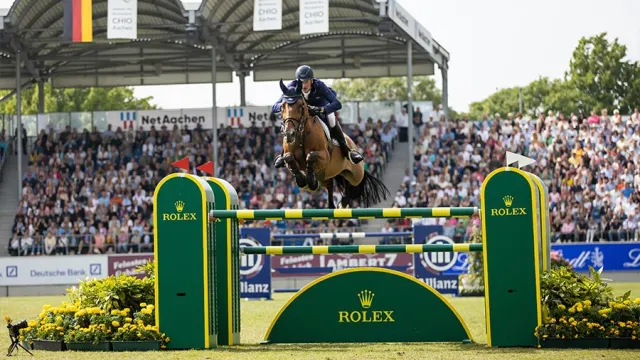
(91, 192)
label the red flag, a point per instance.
(207, 168)
(182, 163)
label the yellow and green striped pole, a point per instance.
(361, 249)
(324, 214)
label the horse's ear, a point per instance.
(298, 87)
(283, 87)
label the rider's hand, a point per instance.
(315, 110)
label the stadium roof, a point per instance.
(175, 39)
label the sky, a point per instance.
(493, 44)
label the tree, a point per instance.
(598, 78)
(598, 70)
(76, 100)
(387, 89)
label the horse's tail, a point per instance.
(369, 192)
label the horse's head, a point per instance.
(294, 111)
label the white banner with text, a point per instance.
(314, 16)
(191, 118)
(122, 19)
(53, 270)
(267, 15)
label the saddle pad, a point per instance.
(327, 133)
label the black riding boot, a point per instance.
(279, 162)
(350, 154)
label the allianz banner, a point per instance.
(611, 256)
(439, 270)
(191, 118)
(255, 269)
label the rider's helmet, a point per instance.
(304, 72)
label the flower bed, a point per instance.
(582, 312)
(102, 315)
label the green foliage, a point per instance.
(114, 292)
(148, 269)
(472, 284)
(599, 69)
(562, 286)
(387, 89)
(76, 100)
(577, 306)
(599, 77)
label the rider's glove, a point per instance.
(315, 110)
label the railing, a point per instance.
(349, 114)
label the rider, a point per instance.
(322, 100)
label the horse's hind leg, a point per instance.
(312, 181)
(329, 185)
(292, 165)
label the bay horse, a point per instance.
(313, 159)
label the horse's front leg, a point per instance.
(329, 185)
(312, 181)
(293, 167)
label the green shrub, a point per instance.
(113, 293)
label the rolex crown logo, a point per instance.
(179, 205)
(366, 298)
(508, 200)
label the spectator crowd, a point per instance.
(89, 192)
(590, 164)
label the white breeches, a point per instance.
(331, 119)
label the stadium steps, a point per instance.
(393, 174)
(9, 196)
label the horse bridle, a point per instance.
(298, 123)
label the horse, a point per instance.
(312, 158)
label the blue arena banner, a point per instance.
(439, 270)
(611, 256)
(255, 270)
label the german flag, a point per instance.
(78, 17)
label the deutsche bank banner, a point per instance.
(439, 270)
(56, 270)
(611, 256)
(255, 269)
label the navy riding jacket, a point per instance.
(321, 95)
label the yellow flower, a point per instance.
(579, 308)
(627, 302)
(115, 312)
(636, 301)
(143, 305)
(571, 319)
(621, 324)
(561, 307)
(553, 320)
(32, 323)
(572, 310)
(617, 332)
(128, 320)
(46, 306)
(126, 311)
(151, 307)
(163, 347)
(575, 323)
(115, 323)
(168, 339)
(8, 319)
(587, 302)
